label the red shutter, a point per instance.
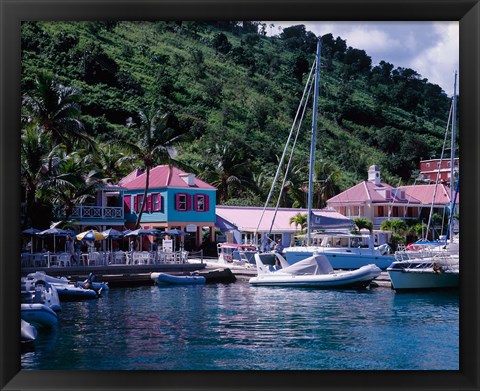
(207, 203)
(195, 202)
(135, 203)
(127, 203)
(189, 202)
(177, 201)
(159, 202)
(149, 203)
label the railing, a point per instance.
(97, 212)
(377, 221)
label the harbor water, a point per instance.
(240, 327)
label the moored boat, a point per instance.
(39, 291)
(169, 279)
(438, 272)
(69, 292)
(312, 272)
(344, 250)
(39, 315)
(217, 275)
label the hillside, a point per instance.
(230, 94)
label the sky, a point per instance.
(429, 48)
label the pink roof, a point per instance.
(161, 176)
(246, 218)
(367, 191)
(424, 193)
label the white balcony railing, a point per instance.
(97, 212)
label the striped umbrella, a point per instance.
(91, 236)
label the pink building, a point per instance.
(379, 201)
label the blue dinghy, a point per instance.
(169, 279)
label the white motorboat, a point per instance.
(40, 315)
(28, 332)
(436, 272)
(235, 255)
(56, 281)
(169, 279)
(312, 272)
(68, 290)
(344, 251)
(39, 291)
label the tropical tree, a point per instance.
(155, 145)
(328, 176)
(395, 225)
(34, 152)
(300, 219)
(113, 161)
(226, 168)
(363, 223)
(72, 181)
(55, 109)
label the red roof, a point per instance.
(162, 176)
(367, 191)
(424, 193)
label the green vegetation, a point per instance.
(227, 94)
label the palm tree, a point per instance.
(54, 107)
(328, 175)
(112, 161)
(34, 152)
(155, 146)
(301, 220)
(362, 223)
(226, 168)
(72, 181)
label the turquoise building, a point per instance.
(175, 199)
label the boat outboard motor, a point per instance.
(38, 295)
(384, 249)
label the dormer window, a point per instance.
(189, 179)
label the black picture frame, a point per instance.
(13, 12)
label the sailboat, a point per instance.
(432, 267)
(349, 256)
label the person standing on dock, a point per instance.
(69, 247)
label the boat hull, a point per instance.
(344, 260)
(426, 279)
(359, 278)
(39, 315)
(69, 292)
(168, 279)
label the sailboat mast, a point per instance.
(452, 154)
(312, 144)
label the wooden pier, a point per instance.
(117, 275)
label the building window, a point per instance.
(201, 202)
(428, 164)
(183, 202)
(156, 202)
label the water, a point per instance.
(237, 326)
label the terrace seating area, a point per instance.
(103, 258)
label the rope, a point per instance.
(284, 152)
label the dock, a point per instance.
(117, 275)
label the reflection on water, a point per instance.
(236, 326)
